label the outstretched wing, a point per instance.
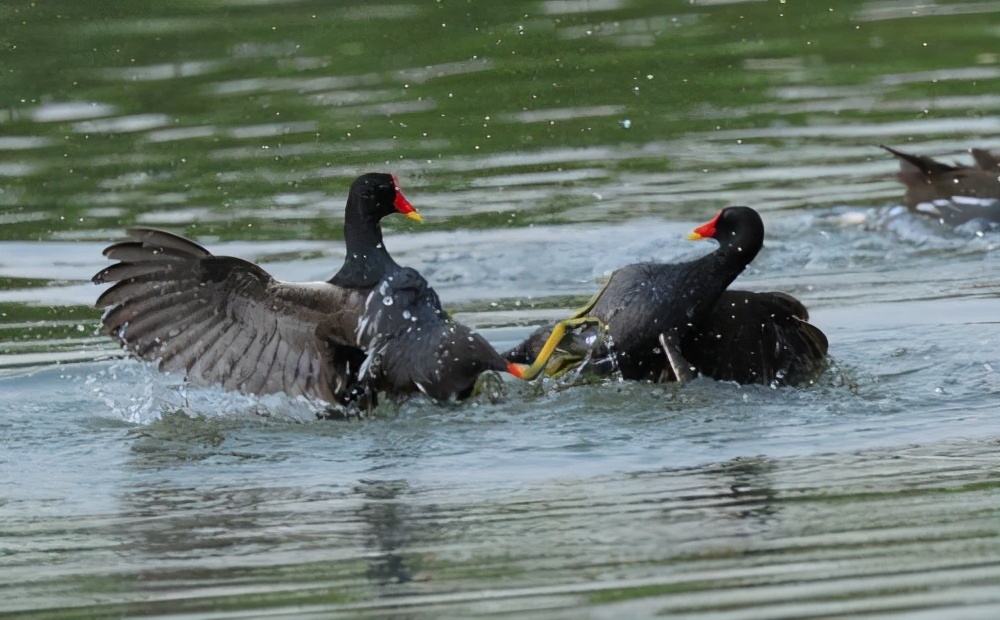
(757, 338)
(224, 321)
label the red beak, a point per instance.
(705, 231)
(403, 206)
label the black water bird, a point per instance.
(414, 346)
(668, 322)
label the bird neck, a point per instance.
(367, 261)
(735, 252)
(712, 274)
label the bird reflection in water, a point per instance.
(388, 533)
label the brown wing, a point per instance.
(224, 321)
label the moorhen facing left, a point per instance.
(665, 322)
(413, 345)
(224, 321)
(953, 194)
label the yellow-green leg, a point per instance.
(585, 310)
(558, 332)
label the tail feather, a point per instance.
(918, 163)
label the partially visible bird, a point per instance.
(954, 194)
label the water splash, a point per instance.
(135, 392)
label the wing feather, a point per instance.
(207, 365)
(184, 339)
(258, 381)
(125, 312)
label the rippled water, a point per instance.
(546, 144)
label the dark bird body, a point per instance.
(952, 193)
(221, 320)
(414, 346)
(668, 320)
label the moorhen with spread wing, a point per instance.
(221, 320)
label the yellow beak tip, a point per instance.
(694, 237)
(413, 215)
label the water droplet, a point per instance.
(387, 300)
(406, 314)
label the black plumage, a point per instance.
(413, 345)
